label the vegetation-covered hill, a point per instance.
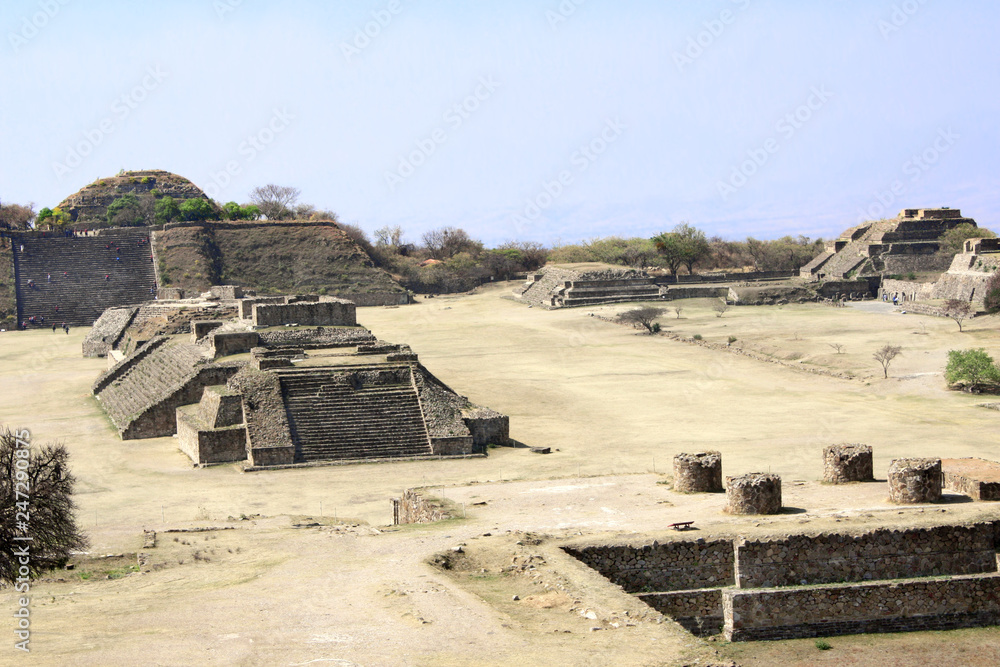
(270, 257)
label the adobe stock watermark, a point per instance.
(787, 127)
(581, 159)
(249, 149)
(914, 169)
(32, 25)
(562, 13)
(363, 36)
(899, 16)
(223, 7)
(121, 109)
(455, 117)
(21, 540)
(713, 29)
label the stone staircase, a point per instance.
(331, 419)
(539, 292)
(157, 375)
(78, 266)
(814, 265)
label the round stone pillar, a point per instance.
(914, 481)
(847, 463)
(698, 473)
(753, 493)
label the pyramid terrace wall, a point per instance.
(325, 313)
(662, 566)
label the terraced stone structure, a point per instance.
(810, 585)
(698, 473)
(915, 481)
(290, 395)
(557, 288)
(847, 463)
(753, 493)
(908, 243)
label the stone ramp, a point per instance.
(134, 392)
(78, 266)
(107, 331)
(362, 413)
(539, 292)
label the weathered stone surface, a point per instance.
(753, 493)
(339, 312)
(415, 507)
(847, 463)
(977, 478)
(662, 566)
(901, 606)
(697, 611)
(914, 481)
(698, 473)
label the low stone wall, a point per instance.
(698, 473)
(672, 293)
(878, 554)
(376, 299)
(847, 463)
(451, 446)
(226, 291)
(900, 606)
(488, 427)
(234, 342)
(318, 337)
(324, 313)
(697, 611)
(209, 445)
(662, 566)
(201, 328)
(415, 507)
(915, 481)
(753, 493)
(977, 478)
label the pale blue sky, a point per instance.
(291, 94)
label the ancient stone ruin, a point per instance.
(915, 481)
(847, 463)
(276, 393)
(753, 493)
(698, 473)
(977, 478)
(812, 585)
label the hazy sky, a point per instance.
(540, 120)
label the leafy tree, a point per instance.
(693, 245)
(166, 210)
(885, 355)
(958, 310)
(953, 240)
(42, 476)
(973, 369)
(125, 211)
(644, 317)
(197, 210)
(502, 263)
(671, 249)
(275, 202)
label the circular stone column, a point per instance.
(914, 481)
(698, 473)
(753, 493)
(847, 463)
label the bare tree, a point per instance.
(35, 502)
(447, 242)
(720, 307)
(276, 202)
(641, 317)
(958, 310)
(837, 346)
(677, 311)
(885, 355)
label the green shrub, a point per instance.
(697, 336)
(823, 645)
(732, 339)
(911, 276)
(972, 369)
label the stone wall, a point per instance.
(201, 328)
(879, 554)
(234, 342)
(226, 291)
(811, 611)
(209, 445)
(905, 290)
(697, 611)
(976, 478)
(662, 566)
(753, 493)
(311, 338)
(451, 446)
(324, 313)
(376, 299)
(488, 427)
(415, 507)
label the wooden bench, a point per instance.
(681, 525)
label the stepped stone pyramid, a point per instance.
(260, 389)
(908, 242)
(555, 287)
(74, 279)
